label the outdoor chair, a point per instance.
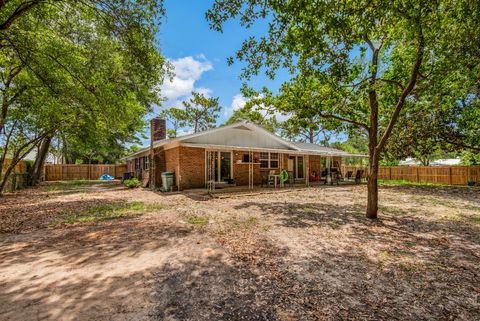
(264, 178)
(291, 178)
(314, 177)
(358, 176)
(349, 175)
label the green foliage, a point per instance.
(177, 119)
(84, 72)
(132, 183)
(470, 158)
(200, 112)
(104, 212)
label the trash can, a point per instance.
(127, 175)
(167, 181)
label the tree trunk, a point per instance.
(39, 161)
(372, 187)
(311, 135)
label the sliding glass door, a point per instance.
(222, 166)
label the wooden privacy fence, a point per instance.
(18, 177)
(448, 175)
(63, 172)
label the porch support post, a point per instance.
(307, 174)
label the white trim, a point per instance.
(273, 150)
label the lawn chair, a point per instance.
(350, 175)
(358, 176)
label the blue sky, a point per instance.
(199, 56)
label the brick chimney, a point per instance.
(158, 128)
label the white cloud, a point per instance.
(238, 102)
(187, 71)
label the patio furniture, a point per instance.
(275, 178)
(349, 175)
(314, 177)
(264, 178)
(358, 176)
(291, 178)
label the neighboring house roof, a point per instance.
(439, 162)
(446, 162)
(243, 135)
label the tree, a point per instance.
(363, 60)
(201, 113)
(79, 70)
(177, 119)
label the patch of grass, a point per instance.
(407, 267)
(308, 209)
(384, 255)
(198, 220)
(247, 223)
(474, 219)
(419, 184)
(69, 185)
(104, 212)
(452, 217)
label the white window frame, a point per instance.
(269, 160)
(146, 163)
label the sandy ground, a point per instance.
(307, 254)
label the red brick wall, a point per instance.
(314, 164)
(240, 171)
(160, 165)
(192, 167)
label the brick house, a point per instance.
(238, 154)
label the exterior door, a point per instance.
(291, 164)
(222, 165)
(225, 164)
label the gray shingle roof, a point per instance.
(319, 148)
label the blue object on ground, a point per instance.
(106, 177)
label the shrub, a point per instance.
(131, 183)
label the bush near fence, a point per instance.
(447, 175)
(64, 172)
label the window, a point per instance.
(268, 160)
(263, 160)
(146, 163)
(246, 158)
(137, 164)
(273, 160)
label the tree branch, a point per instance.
(406, 91)
(19, 11)
(391, 81)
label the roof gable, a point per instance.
(242, 134)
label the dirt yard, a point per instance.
(98, 251)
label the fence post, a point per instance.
(417, 176)
(449, 176)
(389, 173)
